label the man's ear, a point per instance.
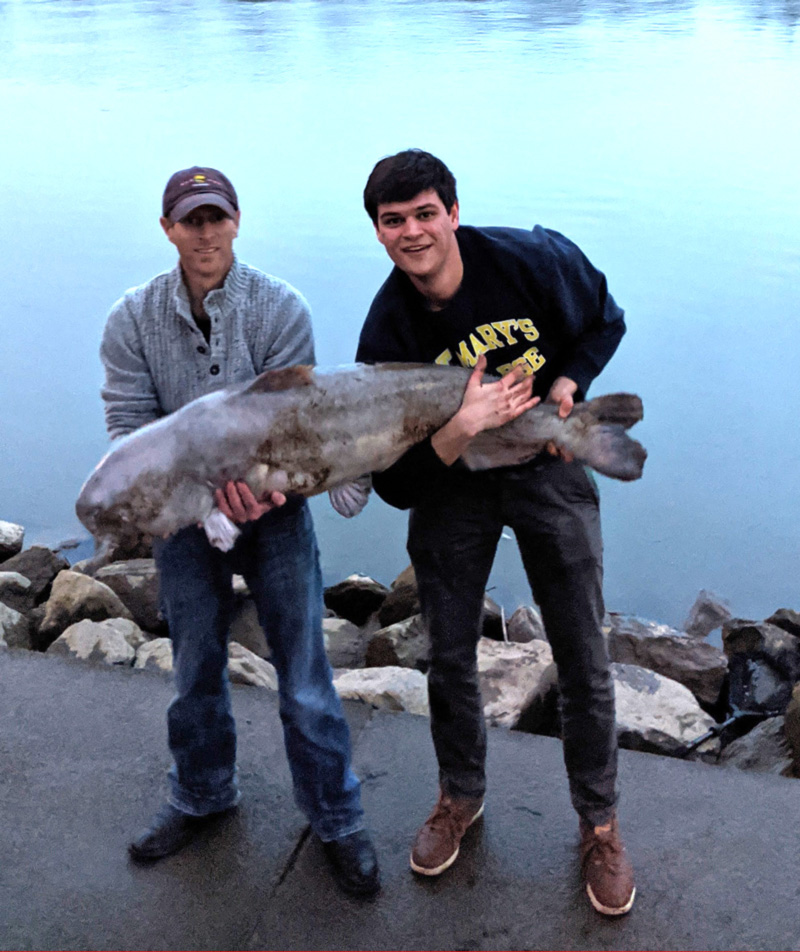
(237, 218)
(454, 215)
(166, 224)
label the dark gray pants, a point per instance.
(553, 509)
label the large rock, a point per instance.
(518, 684)
(16, 591)
(764, 665)
(526, 625)
(404, 644)
(345, 643)
(388, 688)
(492, 620)
(696, 664)
(356, 598)
(708, 612)
(764, 749)
(11, 536)
(401, 603)
(246, 629)
(791, 728)
(113, 641)
(14, 628)
(155, 655)
(245, 667)
(136, 584)
(787, 619)
(75, 598)
(40, 565)
(655, 714)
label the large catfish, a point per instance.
(305, 430)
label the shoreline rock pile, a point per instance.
(677, 694)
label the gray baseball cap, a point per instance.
(191, 188)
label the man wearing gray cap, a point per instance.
(210, 322)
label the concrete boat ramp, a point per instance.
(82, 762)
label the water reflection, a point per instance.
(659, 135)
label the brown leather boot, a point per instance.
(439, 838)
(606, 869)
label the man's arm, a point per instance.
(129, 393)
(292, 338)
(579, 293)
(485, 406)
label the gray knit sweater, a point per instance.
(156, 359)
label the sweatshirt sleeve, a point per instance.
(129, 393)
(595, 320)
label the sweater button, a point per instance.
(201, 350)
(214, 370)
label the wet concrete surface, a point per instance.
(82, 766)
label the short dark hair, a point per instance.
(398, 178)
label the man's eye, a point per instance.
(424, 215)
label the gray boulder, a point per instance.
(345, 643)
(40, 566)
(246, 629)
(387, 688)
(136, 583)
(113, 641)
(654, 713)
(518, 684)
(11, 536)
(696, 664)
(492, 620)
(245, 667)
(764, 749)
(764, 663)
(356, 598)
(787, 619)
(14, 629)
(155, 655)
(791, 728)
(75, 598)
(525, 625)
(404, 644)
(16, 591)
(708, 613)
(401, 603)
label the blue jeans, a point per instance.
(279, 559)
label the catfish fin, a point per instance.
(492, 448)
(285, 378)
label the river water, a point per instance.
(663, 137)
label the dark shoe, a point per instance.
(354, 863)
(439, 839)
(606, 869)
(169, 831)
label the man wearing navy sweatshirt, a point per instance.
(529, 307)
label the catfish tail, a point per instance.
(624, 409)
(607, 448)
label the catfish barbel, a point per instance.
(306, 430)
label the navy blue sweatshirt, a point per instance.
(528, 298)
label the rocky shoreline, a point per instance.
(677, 695)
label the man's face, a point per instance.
(204, 239)
(419, 235)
